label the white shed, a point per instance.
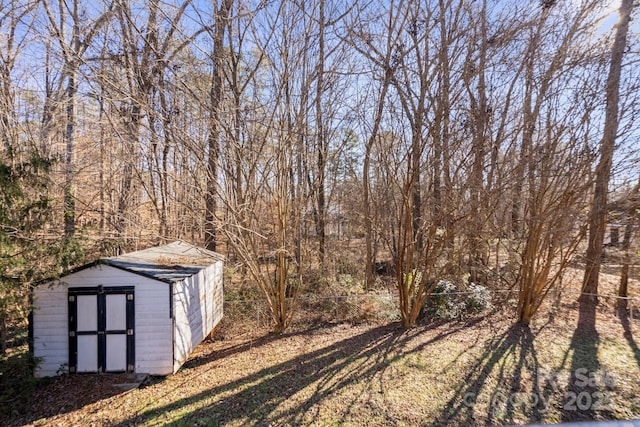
(141, 312)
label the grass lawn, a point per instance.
(484, 370)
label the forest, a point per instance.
(481, 142)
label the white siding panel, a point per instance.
(154, 336)
(50, 335)
(106, 275)
(197, 310)
(159, 368)
(218, 294)
(184, 297)
(153, 328)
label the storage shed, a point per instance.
(141, 312)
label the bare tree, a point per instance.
(72, 45)
(556, 160)
(13, 194)
(379, 56)
(480, 113)
(143, 93)
(328, 61)
(421, 240)
(11, 45)
(322, 146)
(598, 213)
(630, 207)
(215, 98)
(262, 212)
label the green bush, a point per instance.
(16, 381)
(479, 299)
(449, 302)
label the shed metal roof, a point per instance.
(167, 263)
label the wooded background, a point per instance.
(437, 139)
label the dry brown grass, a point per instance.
(478, 372)
(484, 370)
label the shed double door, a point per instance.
(101, 335)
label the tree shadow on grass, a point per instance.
(501, 386)
(585, 392)
(71, 392)
(258, 398)
(625, 319)
(202, 359)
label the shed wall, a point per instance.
(153, 336)
(198, 308)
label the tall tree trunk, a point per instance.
(102, 158)
(623, 289)
(126, 180)
(598, 214)
(477, 250)
(7, 104)
(72, 53)
(544, 254)
(414, 177)
(71, 68)
(48, 108)
(384, 64)
(69, 187)
(3, 332)
(366, 184)
(321, 141)
(221, 18)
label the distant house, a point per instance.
(613, 234)
(141, 312)
(622, 211)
